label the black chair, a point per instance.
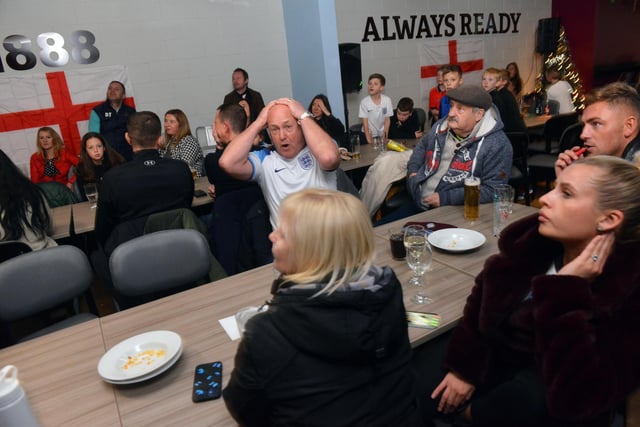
(519, 168)
(12, 248)
(542, 166)
(552, 131)
(422, 117)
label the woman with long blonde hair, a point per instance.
(333, 347)
(52, 162)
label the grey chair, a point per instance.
(38, 281)
(159, 264)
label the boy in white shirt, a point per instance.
(376, 110)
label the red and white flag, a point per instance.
(468, 53)
(60, 99)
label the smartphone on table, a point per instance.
(207, 382)
(423, 320)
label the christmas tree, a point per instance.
(562, 60)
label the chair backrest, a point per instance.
(571, 137)
(554, 127)
(422, 117)
(204, 135)
(159, 262)
(57, 194)
(12, 248)
(520, 145)
(39, 280)
(554, 107)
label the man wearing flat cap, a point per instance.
(469, 141)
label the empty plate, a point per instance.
(456, 239)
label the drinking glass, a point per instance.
(418, 258)
(91, 191)
(471, 198)
(355, 147)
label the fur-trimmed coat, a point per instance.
(584, 338)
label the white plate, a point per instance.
(456, 239)
(150, 375)
(139, 356)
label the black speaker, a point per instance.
(350, 67)
(548, 33)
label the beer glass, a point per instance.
(471, 198)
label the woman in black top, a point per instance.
(321, 111)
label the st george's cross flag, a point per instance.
(468, 53)
(60, 99)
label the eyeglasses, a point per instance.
(288, 129)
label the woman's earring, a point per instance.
(599, 229)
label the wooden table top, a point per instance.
(60, 376)
(368, 155)
(59, 371)
(84, 217)
(533, 121)
(467, 262)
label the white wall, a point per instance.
(178, 54)
(398, 60)
(181, 54)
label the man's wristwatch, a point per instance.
(304, 116)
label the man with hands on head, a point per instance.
(611, 125)
(303, 155)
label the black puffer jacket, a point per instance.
(332, 360)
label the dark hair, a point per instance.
(124, 90)
(405, 104)
(144, 129)
(243, 71)
(452, 68)
(516, 80)
(378, 76)
(19, 199)
(235, 115)
(322, 97)
(86, 169)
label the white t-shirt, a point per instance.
(278, 177)
(376, 113)
(561, 91)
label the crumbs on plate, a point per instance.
(147, 357)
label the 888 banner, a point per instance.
(50, 48)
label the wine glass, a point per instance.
(418, 258)
(91, 191)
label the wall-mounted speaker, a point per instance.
(548, 33)
(350, 67)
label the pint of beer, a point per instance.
(471, 198)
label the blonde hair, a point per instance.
(58, 144)
(493, 71)
(331, 237)
(617, 189)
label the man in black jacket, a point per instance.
(148, 184)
